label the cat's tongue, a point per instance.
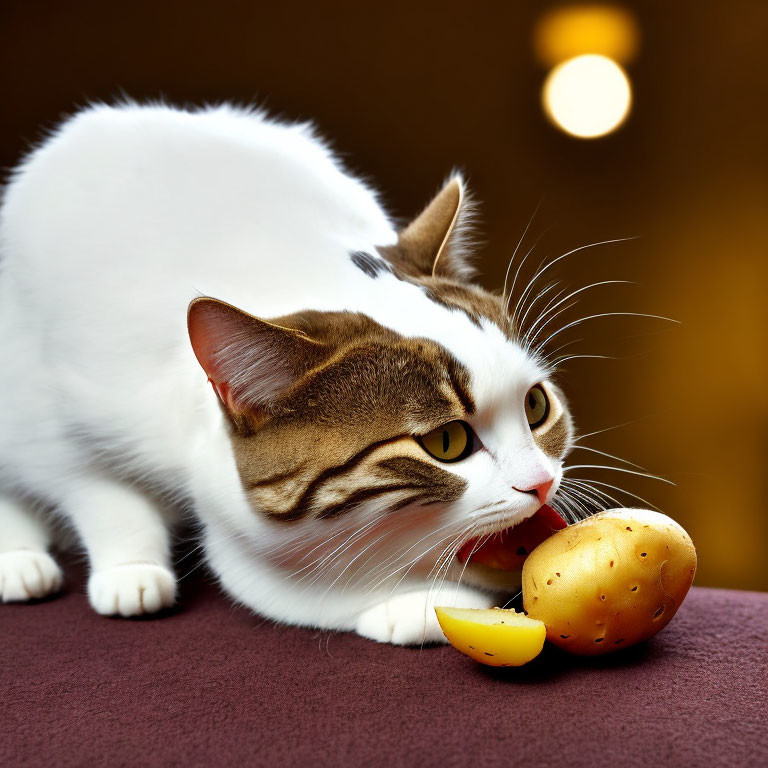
(507, 550)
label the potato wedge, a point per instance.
(609, 581)
(493, 636)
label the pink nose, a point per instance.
(540, 490)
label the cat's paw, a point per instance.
(410, 619)
(132, 589)
(26, 574)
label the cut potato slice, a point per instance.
(493, 636)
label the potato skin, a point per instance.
(609, 581)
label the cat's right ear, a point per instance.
(438, 242)
(250, 362)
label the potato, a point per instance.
(609, 581)
(493, 636)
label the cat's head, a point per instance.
(377, 453)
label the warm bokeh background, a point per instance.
(407, 91)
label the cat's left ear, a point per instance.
(436, 243)
(250, 362)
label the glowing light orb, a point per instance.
(572, 30)
(587, 96)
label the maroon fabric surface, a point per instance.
(211, 685)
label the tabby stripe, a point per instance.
(465, 398)
(302, 506)
(357, 498)
(443, 484)
(274, 479)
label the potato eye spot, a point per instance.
(565, 637)
(599, 639)
(634, 589)
(628, 528)
(610, 565)
(549, 581)
(658, 613)
(602, 597)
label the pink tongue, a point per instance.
(507, 550)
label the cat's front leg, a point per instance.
(409, 618)
(128, 547)
(27, 571)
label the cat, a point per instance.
(201, 309)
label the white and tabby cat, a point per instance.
(351, 409)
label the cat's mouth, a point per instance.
(507, 549)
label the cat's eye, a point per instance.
(451, 442)
(536, 406)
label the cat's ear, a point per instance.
(437, 242)
(250, 362)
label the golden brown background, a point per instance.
(407, 91)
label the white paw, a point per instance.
(410, 619)
(26, 574)
(132, 589)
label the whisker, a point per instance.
(620, 490)
(477, 546)
(609, 429)
(608, 455)
(554, 352)
(448, 562)
(571, 295)
(517, 272)
(528, 343)
(347, 542)
(577, 503)
(587, 500)
(401, 552)
(517, 247)
(558, 505)
(597, 493)
(410, 564)
(619, 469)
(543, 269)
(560, 360)
(530, 306)
(350, 563)
(603, 314)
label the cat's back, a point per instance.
(125, 214)
(181, 194)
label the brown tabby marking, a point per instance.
(475, 302)
(554, 436)
(321, 448)
(554, 440)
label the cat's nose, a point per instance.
(540, 491)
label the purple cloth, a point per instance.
(211, 684)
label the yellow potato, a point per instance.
(493, 636)
(609, 581)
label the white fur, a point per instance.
(108, 230)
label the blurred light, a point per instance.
(574, 30)
(587, 96)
